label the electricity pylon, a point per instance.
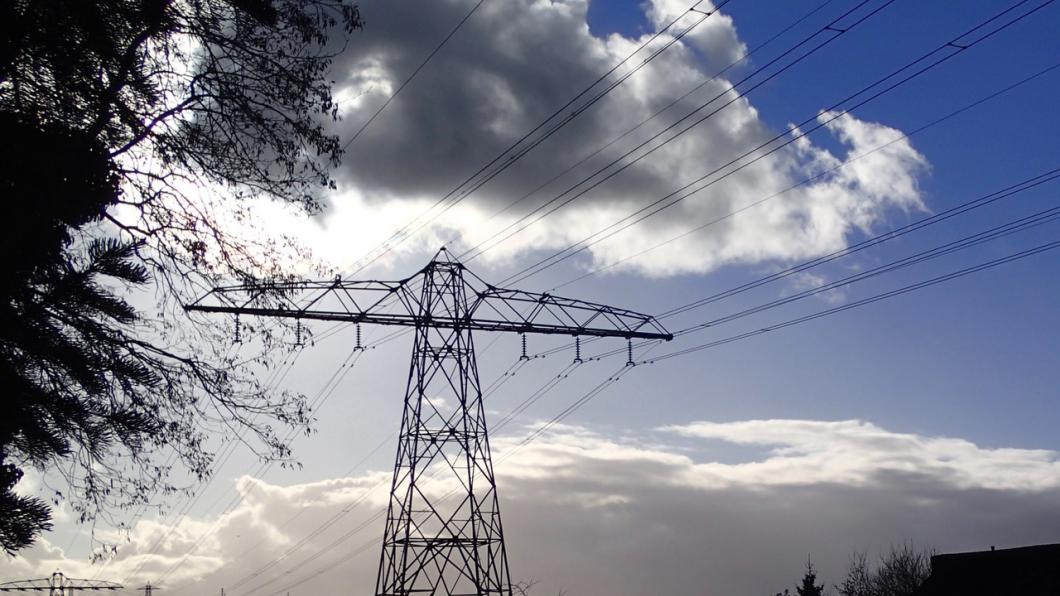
(58, 585)
(443, 536)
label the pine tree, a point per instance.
(809, 587)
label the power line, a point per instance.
(620, 372)
(990, 198)
(975, 239)
(743, 58)
(487, 177)
(402, 233)
(1019, 225)
(833, 30)
(325, 392)
(413, 75)
(536, 395)
(493, 387)
(865, 301)
(949, 49)
(977, 203)
(818, 176)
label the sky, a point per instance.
(927, 418)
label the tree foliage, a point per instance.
(899, 572)
(138, 134)
(809, 585)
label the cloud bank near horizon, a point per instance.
(673, 511)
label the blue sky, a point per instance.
(974, 340)
(972, 361)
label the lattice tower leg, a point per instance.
(443, 531)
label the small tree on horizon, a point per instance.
(809, 585)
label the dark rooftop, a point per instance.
(1024, 571)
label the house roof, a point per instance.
(1027, 571)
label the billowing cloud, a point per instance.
(512, 64)
(630, 515)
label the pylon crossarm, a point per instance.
(494, 310)
(381, 302)
(398, 303)
(42, 584)
(498, 309)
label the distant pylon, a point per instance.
(433, 544)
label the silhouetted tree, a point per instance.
(860, 580)
(903, 570)
(23, 517)
(112, 113)
(809, 586)
(899, 573)
(524, 588)
(809, 579)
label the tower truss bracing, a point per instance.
(443, 532)
(59, 585)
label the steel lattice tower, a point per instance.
(443, 531)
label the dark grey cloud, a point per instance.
(509, 67)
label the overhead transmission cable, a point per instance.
(326, 391)
(865, 301)
(224, 456)
(949, 50)
(981, 201)
(900, 137)
(415, 72)
(975, 239)
(619, 373)
(364, 524)
(832, 31)
(743, 58)
(493, 387)
(1022, 224)
(506, 158)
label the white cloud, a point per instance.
(856, 453)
